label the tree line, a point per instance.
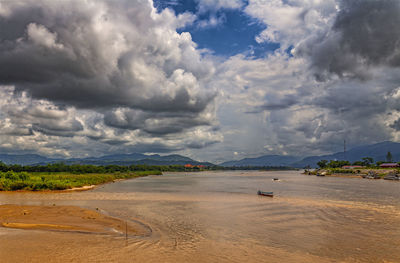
(366, 161)
(89, 168)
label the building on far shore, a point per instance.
(389, 165)
(193, 166)
(352, 167)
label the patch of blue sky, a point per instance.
(234, 33)
(179, 6)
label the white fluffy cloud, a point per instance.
(31, 125)
(291, 22)
(281, 103)
(105, 72)
(106, 56)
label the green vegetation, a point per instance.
(366, 162)
(365, 168)
(59, 176)
(323, 163)
(11, 181)
(343, 171)
(85, 169)
(332, 164)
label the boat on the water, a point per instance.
(269, 194)
(392, 176)
(371, 175)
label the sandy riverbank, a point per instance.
(64, 218)
(74, 189)
(344, 175)
(355, 173)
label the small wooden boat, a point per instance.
(269, 194)
(392, 176)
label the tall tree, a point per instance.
(322, 163)
(367, 161)
(389, 157)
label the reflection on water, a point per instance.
(217, 217)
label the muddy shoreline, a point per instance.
(66, 218)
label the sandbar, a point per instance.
(66, 218)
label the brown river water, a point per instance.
(218, 217)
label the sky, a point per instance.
(214, 80)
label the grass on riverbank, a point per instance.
(12, 181)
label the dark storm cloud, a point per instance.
(364, 34)
(161, 147)
(64, 129)
(68, 67)
(114, 142)
(279, 103)
(199, 145)
(17, 130)
(362, 43)
(156, 124)
(70, 53)
(27, 117)
(371, 30)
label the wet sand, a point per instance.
(73, 234)
(64, 218)
(344, 175)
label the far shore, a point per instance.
(74, 189)
(369, 173)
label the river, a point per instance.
(218, 217)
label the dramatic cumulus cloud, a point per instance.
(334, 77)
(72, 53)
(276, 106)
(90, 77)
(32, 125)
(343, 37)
(291, 22)
(364, 34)
(114, 72)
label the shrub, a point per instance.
(23, 176)
(18, 185)
(10, 175)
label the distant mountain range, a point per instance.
(266, 160)
(117, 159)
(377, 151)
(24, 159)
